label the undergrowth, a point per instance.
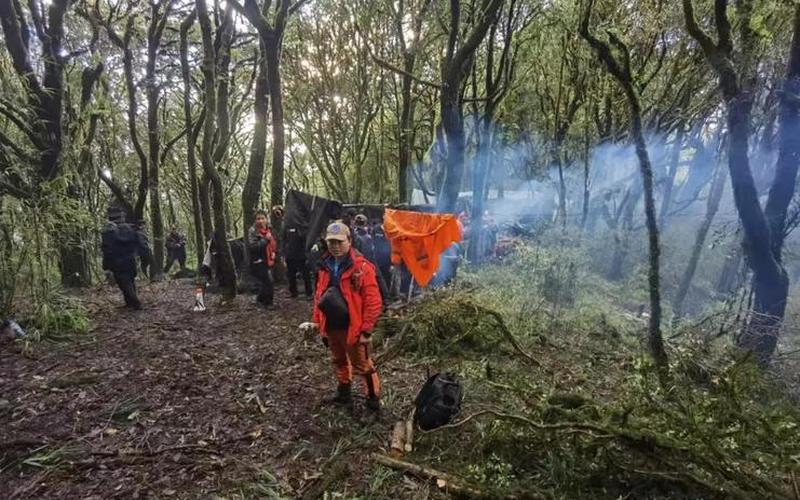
(591, 419)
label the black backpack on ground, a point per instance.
(438, 401)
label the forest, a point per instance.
(611, 282)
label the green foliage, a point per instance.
(593, 420)
(59, 318)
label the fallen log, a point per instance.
(443, 480)
(397, 445)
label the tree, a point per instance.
(155, 30)
(227, 279)
(497, 82)
(458, 59)
(619, 67)
(191, 138)
(736, 73)
(44, 94)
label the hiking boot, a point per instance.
(373, 404)
(343, 395)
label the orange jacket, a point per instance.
(418, 240)
(359, 287)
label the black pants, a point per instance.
(260, 272)
(178, 254)
(294, 266)
(382, 286)
(127, 285)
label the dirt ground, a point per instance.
(170, 403)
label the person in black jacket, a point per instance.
(176, 249)
(262, 248)
(363, 243)
(121, 243)
(294, 252)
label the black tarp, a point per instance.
(310, 214)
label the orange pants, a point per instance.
(348, 359)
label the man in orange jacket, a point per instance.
(347, 305)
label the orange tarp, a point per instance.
(418, 239)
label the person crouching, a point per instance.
(347, 304)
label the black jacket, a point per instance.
(294, 243)
(121, 243)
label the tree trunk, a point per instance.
(272, 47)
(655, 340)
(453, 126)
(780, 195)
(562, 187)
(191, 139)
(622, 73)
(204, 195)
(622, 233)
(251, 191)
(154, 33)
(712, 205)
(479, 180)
(405, 125)
(74, 261)
(586, 182)
(456, 64)
(770, 281)
(669, 181)
(227, 278)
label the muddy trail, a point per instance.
(167, 402)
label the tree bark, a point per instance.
(251, 192)
(191, 139)
(227, 278)
(272, 47)
(155, 31)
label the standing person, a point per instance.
(261, 245)
(146, 258)
(383, 254)
(176, 249)
(364, 243)
(293, 242)
(121, 243)
(347, 305)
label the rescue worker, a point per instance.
(176, 249)
(364, 243)
(347, 305)
(121, 243)
(261, 245)
(362, 239)
(294, 252)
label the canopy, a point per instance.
(418, 240)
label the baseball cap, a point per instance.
(337, 231)
(361, 219)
